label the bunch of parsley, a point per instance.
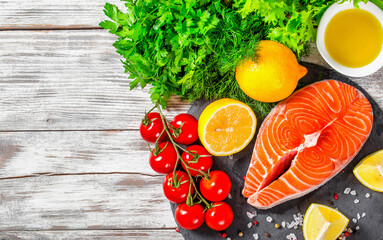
(187, 48)
(190, 48)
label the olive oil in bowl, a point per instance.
(354, 38)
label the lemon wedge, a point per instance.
(323, 223)
(370, 171)
(226, 126)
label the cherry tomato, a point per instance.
(217, 187)
(176, 188)
(186, 129)
(219, 217)
(151, 127)
(190, 217)
(163, 158)
(200, 163)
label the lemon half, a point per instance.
(226, 126)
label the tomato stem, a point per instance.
(145, 120)
(176, 147)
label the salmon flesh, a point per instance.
(305, 141)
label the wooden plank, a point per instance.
(164, 234)
(51, 14)
(60, 80)
(111, 201)
(72, 152)
(63, 80)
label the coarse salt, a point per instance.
(291, 236)
(250, 214)
(358, 216)
(357, 227)
(269, 219)
(363, 214)
(353, 192)
(229, 196)
(228, 238)
(356, 201)
(249, 225)
(354, 220)
(347, 190)
(255, 235)
(367, 195)
(283, 224)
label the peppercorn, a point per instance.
(240, 234)
(331, 202)
(177, 229)
(277, 225)
(224, 235)
(267, 234)
(346, 234)
(255, 223)
(336, 196)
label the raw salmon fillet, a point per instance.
(305, 141)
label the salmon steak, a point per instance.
(305, 141)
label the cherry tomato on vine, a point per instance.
(217, 187)
(185, 129)
(176, 188)
(163, 158)
(190, 217)
(151, 127)
(219, 216)
(197, 162)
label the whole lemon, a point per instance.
(274, 75)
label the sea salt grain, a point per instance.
(347, 190)
(269, 219)
(358, 216)
(255, 235)
(356, 201)
(363, 214)
(357, 228)
(283, 224)
(354, 220)
(353, 192)
(250, 214)
(300, 219)
(249, 225)
(367, 195)
(291, 236)
(290, 225)
(229, 196)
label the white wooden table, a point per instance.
(72, 163)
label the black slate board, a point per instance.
(371, 226)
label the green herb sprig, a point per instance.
(187, 48)
(293, 22)
(190, 48)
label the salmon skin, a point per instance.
(305, 141)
